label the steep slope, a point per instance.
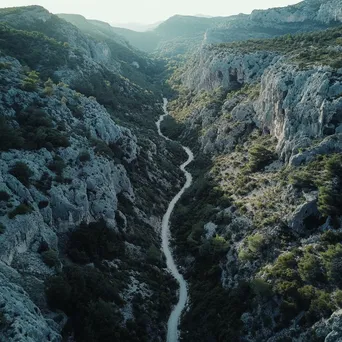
(262, 250)
(82, 170)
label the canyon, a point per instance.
(110, 228)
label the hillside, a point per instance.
(81, 171)
(86, 177)
(182, 34)
(262, 251)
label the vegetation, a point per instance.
(4, 196)
(95, 242)
(50, 258)
(30, 83)
(28, 46)
(22, 172)
(305, 48)
(2, 229)
(84, 156)
(38, 130)
(259, 157)
(21, 209)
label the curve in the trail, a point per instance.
(172, 325)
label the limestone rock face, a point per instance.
(230, 70)
(294, 105)
(297, 106)
(24, 319)
(330, 329)
(83, 190)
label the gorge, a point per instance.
(172, 332)
(112, 229)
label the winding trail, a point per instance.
(174, 319)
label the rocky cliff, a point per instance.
(264, 116)
(68, 172)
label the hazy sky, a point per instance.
(147, 11)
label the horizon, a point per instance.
(150, 12)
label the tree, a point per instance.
(22, 172)
(30, 83)
(48, 90)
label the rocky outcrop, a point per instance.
(297, 106)
(229, 69)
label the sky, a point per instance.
(148, 11)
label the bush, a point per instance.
(302, 179)
(102, 148)
(58, 292)
(154, 255)
(255, 242)
(95, 242)
(259, 157)
(84, 156)
(38, 130)
(90, 298)
(50, 258)
(22, 172)
(21, 209)
(4, 196)
(48, 90)
(10, 138)
(261, 288)
(57, 165)
(2, 229)
(310, 268)
(332, 259)
(3, 321)
(44, 183)
(320, 307)
(330, 193)
(30, 83)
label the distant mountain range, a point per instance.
(180, 34)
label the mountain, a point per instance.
(138, 27)
(79, 159)
(181, 34)
(262, 251)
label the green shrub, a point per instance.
(310, 268)
(154, 255)
(5, 66)
(92, 297)
(337, 297)
(38, 130)
(4, 196)
(30, 83)
(50, 258)
(3, 321)
(330, 193)
(102, 148)
(321, 306)
(10, 138)
(95, 242)
(2, 229)
(48, 90)
(57, 165)
(332, 260)
(21, 209)
(261, 288)
(84, 156)
(58, 292)
(259, 157)
(22, 172)
(303, 179)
